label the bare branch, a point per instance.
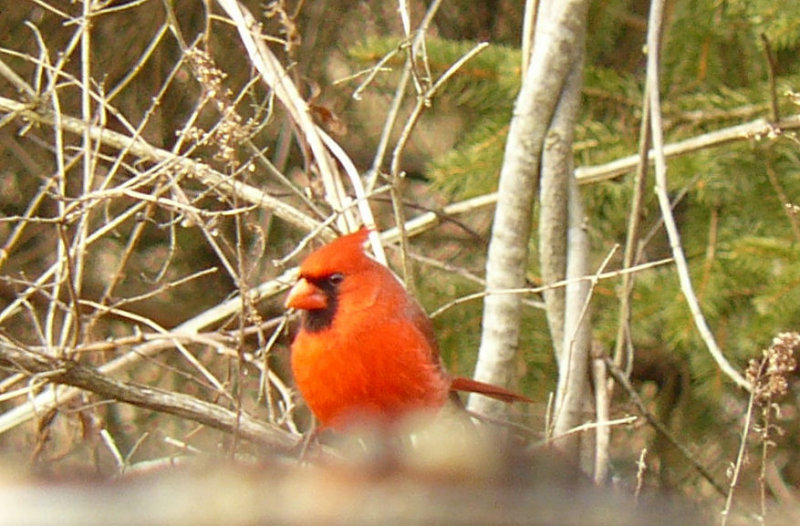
(53, 397)
(681, 265)
(70, 372)
(756, 129)
(169, 161)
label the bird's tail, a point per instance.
(459, 383)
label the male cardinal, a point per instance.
(366, 350)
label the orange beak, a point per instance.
(306, 296)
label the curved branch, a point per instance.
(681, 265)
(275, 77)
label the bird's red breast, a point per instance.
(365, 350)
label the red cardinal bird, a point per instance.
(366, 350)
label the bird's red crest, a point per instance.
(345, 254)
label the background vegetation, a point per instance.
(158, 254)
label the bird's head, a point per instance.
(323, 273)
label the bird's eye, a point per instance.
(335, 279)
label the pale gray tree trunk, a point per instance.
(557, 47)
(573, 386)
(567, 308)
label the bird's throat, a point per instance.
(319, 320)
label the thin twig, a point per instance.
(563, 283)
(23, 87)
(528, 29)
(622, 347)
(772, 66)
(783, 198)
(602, 411)
(623, 381)
(737, 466)
(589, 426)
(371, 73)
(641, 466)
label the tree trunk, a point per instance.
(557, 47)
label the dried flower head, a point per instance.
(231, 129)
(768, 375)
